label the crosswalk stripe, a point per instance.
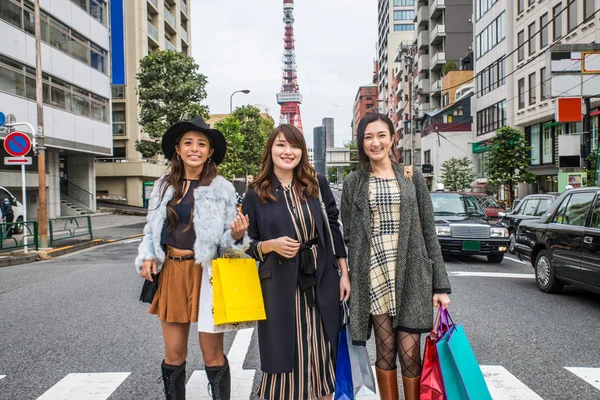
(590, 375)
(91, 386)
(491, 274)
(242, 380)
(2, 376)
(505, 386)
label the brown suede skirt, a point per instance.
(177, 298)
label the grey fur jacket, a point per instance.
(420, 269)
(214, 210)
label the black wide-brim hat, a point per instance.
(217, 140)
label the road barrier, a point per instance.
(69, 227)
(20, 231)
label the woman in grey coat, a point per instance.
(396, 265)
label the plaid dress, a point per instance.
(384, 203)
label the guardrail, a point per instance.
(27, 229)
(69, 227)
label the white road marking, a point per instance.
(505, 386)
(517, 260)
(132, 241)
(2, 376)
(590, 375)
(94, 386)
(491, 274)
(242, 380)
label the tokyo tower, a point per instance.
(289, 98)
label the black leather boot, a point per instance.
(219, 379)
(173, 377)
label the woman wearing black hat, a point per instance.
(192, 214)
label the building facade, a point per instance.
(320, 150)
(76, 95)
(365, 102)
(329, 132)
(152, 25)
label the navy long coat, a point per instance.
(279, 276)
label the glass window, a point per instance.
(560, 213)
(521, 91)
(520, 6)
(535, 144)
(28, 20)
(544, 31)
(577, 208)
(531, 2)
(521, 44)
(81, 105)
(98, 60)
(596, 216)
(543, 207)
(502, 26)
(588, 9)
(79, 47)
(59, 36)
(532, 90)
(403, 15)
(531, 38)
(543, 85)
(547, 146)
(10, 12)
(11, 81)
(572, 15)
(557, 25)
(530, 207)
(30, 88)
(81, 3)
(97, 10)
(404, 27)
(57, 97)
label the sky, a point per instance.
(238, 44)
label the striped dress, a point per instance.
(313, 375)
(384, 202)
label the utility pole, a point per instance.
(39, 135)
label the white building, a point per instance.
(77, 121)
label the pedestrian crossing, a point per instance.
(503, 385)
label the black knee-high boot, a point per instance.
(173, 377)
(219, 379)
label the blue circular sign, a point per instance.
(2, 119)
(17, 144)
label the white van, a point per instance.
(17, 207)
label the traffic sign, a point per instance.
(2, 119)
(17, 144)
(18, 160)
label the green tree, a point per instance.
(592, 162)
(450, 65)
(353, 158)
(332, 174)
(509, 160)
(457, 174)
(170, 89)
(246, 133)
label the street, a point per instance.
(73, 328)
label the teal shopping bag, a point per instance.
(453, 384)
(466, 365)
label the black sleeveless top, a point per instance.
(181, 237)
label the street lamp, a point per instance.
(245, 91)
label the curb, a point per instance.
(108, 210)
(60, 251)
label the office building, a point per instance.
(329, 132)
(320, 149)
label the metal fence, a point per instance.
(20, 232)
(69, 227)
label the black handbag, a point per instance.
(149, 289)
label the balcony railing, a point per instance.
(436, 7)
(119, 129)
(422, 15)
(438, 58)
(154, 3)
(184, 7)
(436, 86)
(437, 33)
(423, 62)
(169, 17)
(169, 45)
(423, 39)
(152, 31)
(184, 34)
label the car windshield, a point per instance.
(486, 202)
(451, 204)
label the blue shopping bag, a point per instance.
(467, 365)
(453, 385)
(344, 388)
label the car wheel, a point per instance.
(18, 227)
(495, 258)
(511, 245)
(544, 274)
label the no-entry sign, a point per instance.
(17, 144)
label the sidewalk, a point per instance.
(106, 228)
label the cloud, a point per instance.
(238, 45)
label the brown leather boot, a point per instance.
(412, 388)
(388, 384)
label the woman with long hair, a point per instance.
(397, 270)
(192, 213)
(301, 283)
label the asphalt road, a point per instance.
(73, 326)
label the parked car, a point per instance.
(463, 228)
(489, 205)
(564, 244)
(530, 207)
(17, 209)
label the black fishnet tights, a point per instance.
(390, 343)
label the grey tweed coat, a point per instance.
(420, 269)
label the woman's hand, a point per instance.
(148, 268)
(344, 287)
(239, 226)
(284, 246)
(441, 299)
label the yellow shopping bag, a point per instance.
(237, 296)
